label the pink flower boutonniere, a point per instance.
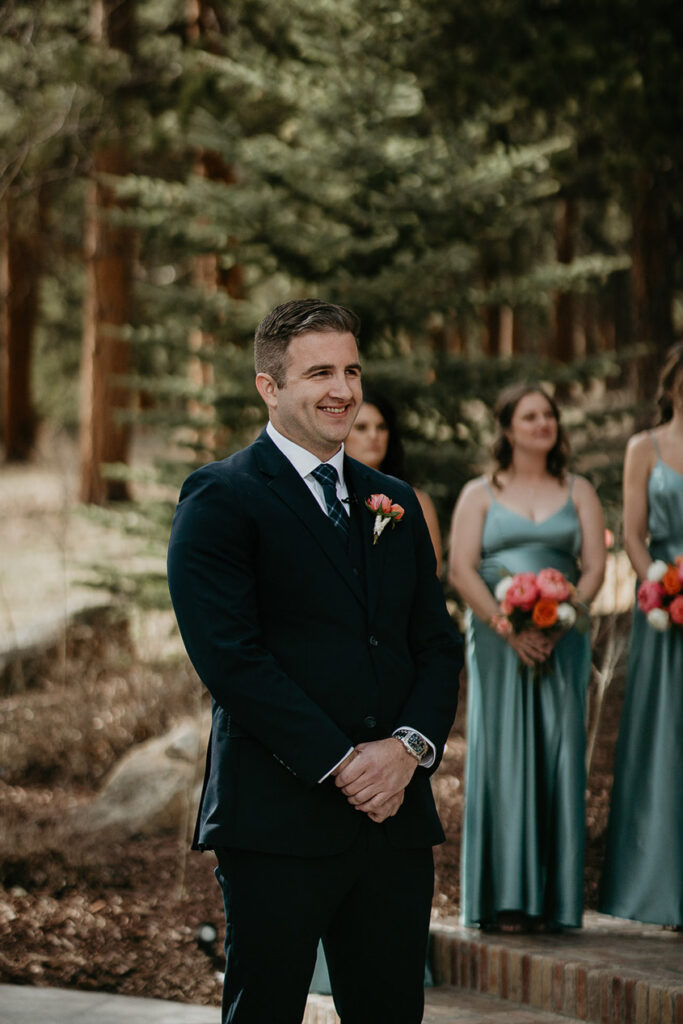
(386, 512)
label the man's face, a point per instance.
(318, 403)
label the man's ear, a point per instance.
(267, 389)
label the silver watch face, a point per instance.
(416, 743)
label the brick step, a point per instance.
(449, 1006)
(608, 972)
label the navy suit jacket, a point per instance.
(305, 650)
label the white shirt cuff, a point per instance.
(335, 766)
(427, 759)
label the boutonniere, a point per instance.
(385, 512)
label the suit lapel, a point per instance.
(359, 483)
(284, 481)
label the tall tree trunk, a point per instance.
(490, 343)
(564, 300)
(652, 278)
(19, 276)
(109, 252)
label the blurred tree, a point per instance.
(20, 252)
(42, 118)
(609, 73)
(109, 253)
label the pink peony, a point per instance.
(649, 596)
(522, 592)
(676, 610)
(379, 503)
(553, 585)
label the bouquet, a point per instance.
(660, 595)
(544, 600)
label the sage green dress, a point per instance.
(523, 839)
(643, 872)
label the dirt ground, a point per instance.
(122, 915)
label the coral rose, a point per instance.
(397, 512)
(676, 611)
(552, 584)
(522, 592)
(649, 596)
(671, 581)
(544, 614)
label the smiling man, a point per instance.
(333, 670)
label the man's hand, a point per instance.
(388, 808)
(378, 771)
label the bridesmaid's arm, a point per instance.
(593, 551)
(464, 550)
(637, 468)
(432, 521)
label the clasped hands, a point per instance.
(374, 776)
(533, 646)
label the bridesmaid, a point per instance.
(643, 874)
(375, 440)
(523, 839)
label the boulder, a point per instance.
(154, 788)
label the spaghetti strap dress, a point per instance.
(643, 871)
(524, 828)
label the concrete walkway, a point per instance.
(610, 972)
(24, 1004)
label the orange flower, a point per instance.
(544, 614)
(671, 581)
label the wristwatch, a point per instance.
(414, 743)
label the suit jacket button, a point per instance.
(370, 722)
(373, 641)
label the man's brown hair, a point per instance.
(286, 321)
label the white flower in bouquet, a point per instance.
(658, 618)
(566, 615)
(657, 570)
(502, 588)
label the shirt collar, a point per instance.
(304, 462)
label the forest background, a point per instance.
(496, 188)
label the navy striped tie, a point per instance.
(326, 476)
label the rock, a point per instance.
(154, 788)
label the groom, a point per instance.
(333, 667)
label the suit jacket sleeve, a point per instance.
(211, 575)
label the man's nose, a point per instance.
(340, 386)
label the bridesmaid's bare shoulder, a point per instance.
(641, 453)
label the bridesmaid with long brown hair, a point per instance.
(523, 838)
